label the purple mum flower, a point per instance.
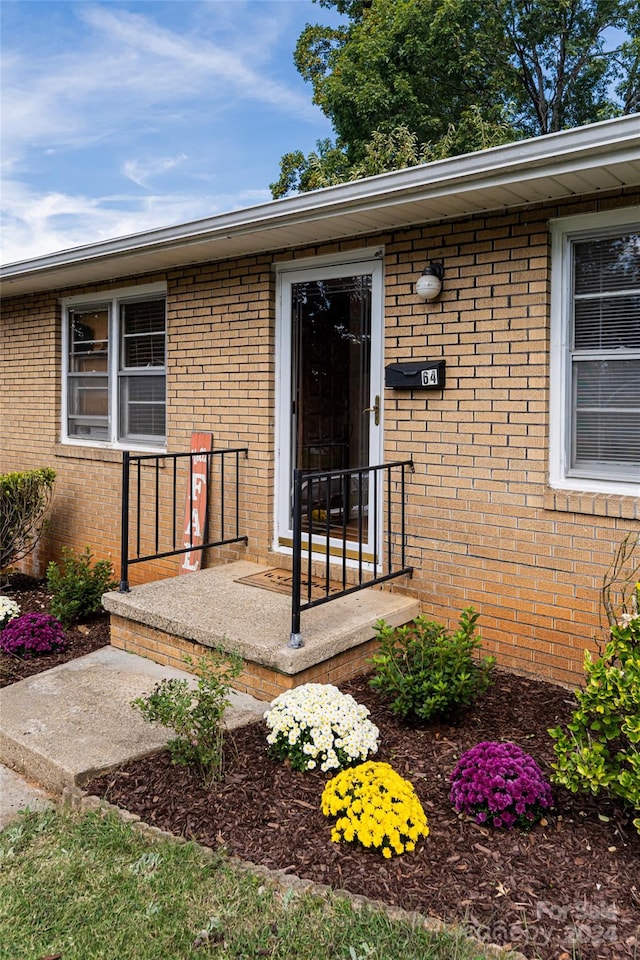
(501, 779)
(33, 634)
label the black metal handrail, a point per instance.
(166, 509)
(336, 509)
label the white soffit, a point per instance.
(589, 159)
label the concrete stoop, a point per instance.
(167, 619)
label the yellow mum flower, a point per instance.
(376, 807)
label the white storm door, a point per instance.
(329, 355)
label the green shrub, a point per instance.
(77, 585)
(428, 672)
(195, 714)
(24, 500)
(600, 749)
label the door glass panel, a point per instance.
(331, 360)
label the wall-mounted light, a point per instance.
(429, 285)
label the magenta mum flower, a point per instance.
(499, 784)
(33, 634)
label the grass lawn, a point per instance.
(87, 887)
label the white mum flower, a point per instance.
(320, 720)
(9, 610)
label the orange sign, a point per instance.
(196, 506)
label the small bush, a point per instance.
(195, 714)
(599, 752)
(428, 672)
(500, 785)
(9, 610)
(376, 808)
(77, 585)
(317, 725)
(33, 634)
(24, 499)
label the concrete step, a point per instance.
(214, 608)
(64, 726)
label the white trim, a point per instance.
(565, 230)
(142, 291)
(329, 259)
(591, 223)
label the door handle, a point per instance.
(375, 410)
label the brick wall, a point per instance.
(484, 528)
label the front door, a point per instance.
(330, 384)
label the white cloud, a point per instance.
(167, 101)
(143, 171)
(125, 65)
(41, 223)
(140, 41)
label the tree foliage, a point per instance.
(404, 81)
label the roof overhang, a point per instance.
(598, 157)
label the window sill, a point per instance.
(103, 454)
(593, 504)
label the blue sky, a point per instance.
(122, 116)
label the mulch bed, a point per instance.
(568, 889)
(34, 597)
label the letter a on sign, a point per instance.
(196, 505)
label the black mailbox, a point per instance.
(415, 375)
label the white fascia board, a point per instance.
(591, 146)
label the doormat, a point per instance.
(280, 581)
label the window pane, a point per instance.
(607, 323)
(88, 407)
(88, 339)
(146, 351)
(606, 264)
(600, 440)
(142, 407)
(143, 334)
(607, 412)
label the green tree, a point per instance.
(627, 64)
(405, 81)
(561, 75)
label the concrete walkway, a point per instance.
(18, 793)
(62, 727)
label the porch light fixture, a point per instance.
(429, 285)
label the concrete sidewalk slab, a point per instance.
(16, 794)
(63, 726)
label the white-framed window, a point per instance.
(595, 353)
(114, 373)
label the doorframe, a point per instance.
(317, 268)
